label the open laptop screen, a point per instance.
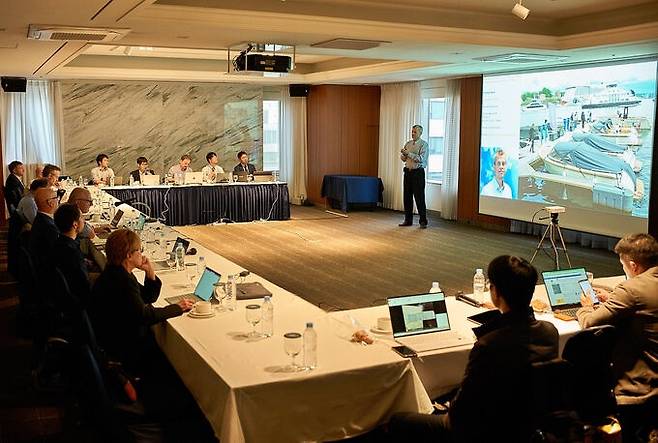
(562, 286)
(206, 285)
(418, 314)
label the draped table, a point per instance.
(203, 204)
(352, 189)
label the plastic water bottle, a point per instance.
(202, 265)
(310, 347)
(268, 317)
(231, 293)
(435, 287)
(478, 285)
(180, 257)
(132, 180)
(81, 182)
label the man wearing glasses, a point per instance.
(44, 231)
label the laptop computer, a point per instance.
(193, 178)
(421, 322)
(204, 288)
(564, 291)
(243, 176)
(114, 224)
(161, 265)
(150, 180)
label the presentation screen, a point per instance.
(581, 138)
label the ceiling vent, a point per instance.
(519, 58)
(65, 33)
(349, 43)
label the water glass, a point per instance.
(254, 315)
(292, 344)
(171, 260)
(191, 271)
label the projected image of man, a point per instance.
(497, 186)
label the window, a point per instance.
(271, 135)
(434, 110)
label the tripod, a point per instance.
(551, 230)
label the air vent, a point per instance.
(519, 58)
(62, 33)
(349, 43)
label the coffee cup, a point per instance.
(202, 307)
(384, 324)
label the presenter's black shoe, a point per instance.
(423, 225)
(405, 223)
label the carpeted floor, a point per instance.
(345, 263)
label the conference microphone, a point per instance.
(126, 201)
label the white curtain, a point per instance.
(450, 183)
(32, 126)
(293, 146)
(399, 110)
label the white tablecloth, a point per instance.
(245, 396)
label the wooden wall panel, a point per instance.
(343, 133)
(469, 157)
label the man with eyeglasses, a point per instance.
(81, 197)
(44, 232)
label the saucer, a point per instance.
(376, 330)
(195, 315)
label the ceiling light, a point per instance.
(520, 11)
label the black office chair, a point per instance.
(590, 353)
(15, 228)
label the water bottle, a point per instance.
(81, 182)
(478, 285)
(112, 180)
(435, 287)
(131, 180)
(202, 264)
(231, 292)
(310, 347)
(180, 257)
(268, 317)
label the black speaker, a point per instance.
(13, 84)
(299, 90)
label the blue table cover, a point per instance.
(348, 189)
(195, 204)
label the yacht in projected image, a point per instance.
(600, 96)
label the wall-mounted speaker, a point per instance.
(13, 84)
(299, 90)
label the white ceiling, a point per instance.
(186, 40)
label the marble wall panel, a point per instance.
(160, 121)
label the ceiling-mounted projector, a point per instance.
(262, 63)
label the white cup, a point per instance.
(202, 307)
(384, 324)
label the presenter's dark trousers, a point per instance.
(414, 189)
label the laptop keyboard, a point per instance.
(174, 300)
(571, 312)
(429, 342)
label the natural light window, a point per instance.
(271, 135)
(434, 110)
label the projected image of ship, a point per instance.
(600, 96)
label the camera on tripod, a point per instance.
(554, 212)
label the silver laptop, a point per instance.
(564, 290)
(150, 180)
(421, 322)
(204, 288)
(193, 178)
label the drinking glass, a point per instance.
(171, 260)
(254, 315)
(219, 294)
(292, 344)
(191, 271)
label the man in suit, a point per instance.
(71, 263)
(633, 308)
(44, 232)
(244, 165)
(142, 169)
(494, 401)
(14, 186)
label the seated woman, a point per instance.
(120, 307)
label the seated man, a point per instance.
(52, 173)
(27, 207)
(182, 167)
(44, 232)
(244, 165)
(142, 169)
(14, 186)
(70, 261)
(81, 197)
(102, 173)
(633, 308)
(494, 400)
(211, 170)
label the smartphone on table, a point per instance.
(405, 351)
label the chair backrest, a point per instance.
(27, 277)
(551, 387)
(590, 353)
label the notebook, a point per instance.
(563, 289)
(421, 322)
(204, 288)
(249, 291)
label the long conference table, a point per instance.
(247, 396)
(182, 205)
